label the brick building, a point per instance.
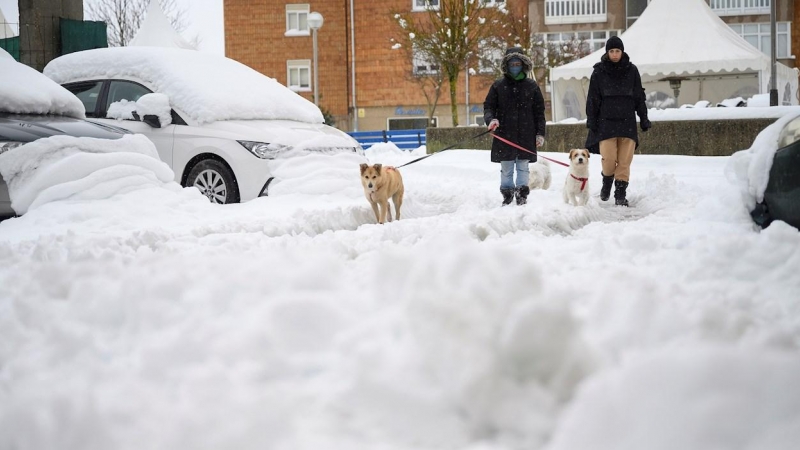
(272, 36)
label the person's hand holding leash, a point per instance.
(646, 125)
(494, 124)
(539, 140)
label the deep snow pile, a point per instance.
(152, 318)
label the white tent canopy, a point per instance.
(156, 31)
(5, 28)
(679, 39)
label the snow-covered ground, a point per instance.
(134, 314)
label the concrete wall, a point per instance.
(685, 137)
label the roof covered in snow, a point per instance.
(156, 31)
(24, 90)
(678, 37)
(204, 86)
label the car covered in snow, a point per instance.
(220, 123)
(781, 199)
(34, 107)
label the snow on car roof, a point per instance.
(205, 86)
(23, 90)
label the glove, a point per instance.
(539, 140)
(645, 125)
(494, 124)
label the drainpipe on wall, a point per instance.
(353, 64)
(773, 76)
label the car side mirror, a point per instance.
(152, 120)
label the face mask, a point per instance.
(514, 70)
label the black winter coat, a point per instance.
(615, 97)
(519, 107)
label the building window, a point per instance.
(740, 7)
(634, 9)
(423, 65)
(297, 20)
(588, 41)
(490, 55)
(758, 35)
(298, 74)
(424, 5)
(574, 11)
(411, 123)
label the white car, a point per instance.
(224, 122)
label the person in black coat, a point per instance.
(514, 110)
(615, 98)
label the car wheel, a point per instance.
(215, 180)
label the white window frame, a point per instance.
(297, 13)
(425, 5)
(298, 66)
(762, 36)
(575, 11)
(596, 41)
(740, 7)
(491, 57)
(421, 66)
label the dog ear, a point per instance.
(571, 153)
(363, 168)
(378, 168)
(586, 151)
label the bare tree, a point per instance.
(544, 54)
(428, 77)
(448, 35)
(124, 17)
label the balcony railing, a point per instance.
(740, 7)
(575, 11)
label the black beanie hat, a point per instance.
(614, 42)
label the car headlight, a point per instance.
(8, 145)
(263, 150)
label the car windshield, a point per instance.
(206, 87)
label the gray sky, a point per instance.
(204, 19)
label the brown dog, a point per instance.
(381, 183)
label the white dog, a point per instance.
(540, 175)
(576, 186)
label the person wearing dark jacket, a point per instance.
(615, 98)
(514, 110)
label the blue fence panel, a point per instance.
(403, 139)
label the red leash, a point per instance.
(526, 150)
(582, 180)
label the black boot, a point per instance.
(605, 191)
(619, 193)
(522, 194)
(508, 196)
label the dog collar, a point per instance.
(582, 180)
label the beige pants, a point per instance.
(617, 155)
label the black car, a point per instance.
(19, 129)
(782, 195)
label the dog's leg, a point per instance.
(382, 207)
(388, 211)
(375, 210)
(397, 199)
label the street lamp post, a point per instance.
(315, 20)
